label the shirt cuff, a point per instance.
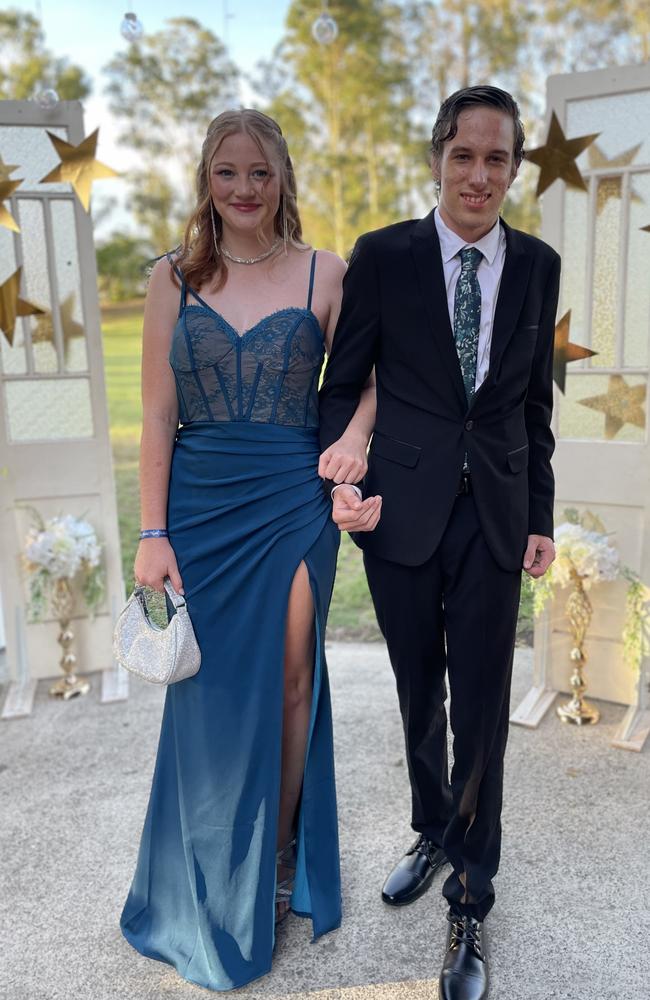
(352, 487)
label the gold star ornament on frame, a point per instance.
(6, 170)
(557, 158)
(7, 187)
(78, 166)
(12, 306)
(564, 352)
(621, 404)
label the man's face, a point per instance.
(475, 171)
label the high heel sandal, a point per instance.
(284, 887)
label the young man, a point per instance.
(456, 312)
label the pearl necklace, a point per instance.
(249, 260)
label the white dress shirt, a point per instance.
(490, 269)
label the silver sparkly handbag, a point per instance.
(159, 655)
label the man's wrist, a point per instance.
(351, 486)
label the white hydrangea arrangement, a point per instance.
(587, 553)
(62, 548)
(582, 546)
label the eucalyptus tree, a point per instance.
(164, 90)
(27, 65)
(346, 109)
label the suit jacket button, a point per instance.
(469, 425)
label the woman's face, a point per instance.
(245, 186)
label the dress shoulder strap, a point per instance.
(180, 276)
(312, 272)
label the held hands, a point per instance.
(351, 514)
(155, 560)
(345, 461)
(539, 554)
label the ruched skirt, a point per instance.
(246, 507)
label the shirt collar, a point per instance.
(451, 243)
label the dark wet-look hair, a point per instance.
(446, 124)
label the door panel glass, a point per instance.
(66, 264)
(32, 150)
(49, 409)
(574, 264)
(637, 298)
(605, 286)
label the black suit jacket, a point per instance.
(395, 317)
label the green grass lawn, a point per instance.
(351, 613)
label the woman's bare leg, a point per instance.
(298, 681)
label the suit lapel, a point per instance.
(425, 246)
(512, 293)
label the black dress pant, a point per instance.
(457, 613)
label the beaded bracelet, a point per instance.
(154, 533)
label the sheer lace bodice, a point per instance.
(269, 374)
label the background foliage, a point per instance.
(356, 115)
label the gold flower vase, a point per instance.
(578, 611)
(62, 603)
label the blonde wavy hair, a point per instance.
(196, 257)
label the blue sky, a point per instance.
(88, 33)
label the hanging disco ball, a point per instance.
(131, 28)
(325, 30)
(47, 98)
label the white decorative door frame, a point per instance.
(605, 283)
(54, 439)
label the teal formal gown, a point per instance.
(246, 507)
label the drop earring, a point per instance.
(285, 228)
(214, 229)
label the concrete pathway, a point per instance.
(572, 918)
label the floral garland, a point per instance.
(62, 548)
(582, 546)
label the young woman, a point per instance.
(241, 824)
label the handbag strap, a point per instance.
(176, 599)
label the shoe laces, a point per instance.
(425, 847)
(466, 930)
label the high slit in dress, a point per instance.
(246, 507)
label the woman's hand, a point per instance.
(345, 461)
(155, 560)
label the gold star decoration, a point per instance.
(564, 352)
(6, 170)
(11, 306)
(613, 188)
(557, 158)
(621, 404)
(78, 166)
(44, 329)
(7, 187)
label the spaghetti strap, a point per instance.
(312, 271)
(179, 274)
(195, 295)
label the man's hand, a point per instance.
(351, 514)
(539, 554)
(345, 461)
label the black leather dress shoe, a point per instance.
(413, 874)
(464, 973)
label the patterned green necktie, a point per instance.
(467, 316)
